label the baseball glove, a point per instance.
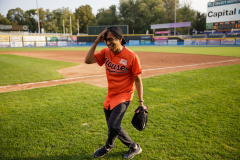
(140, 118)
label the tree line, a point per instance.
(139, 15)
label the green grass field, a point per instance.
(19, 69)
(220, 51)
(192, 115)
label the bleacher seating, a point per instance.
(216, 35)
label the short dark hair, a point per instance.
(114, 33)
(117, 32)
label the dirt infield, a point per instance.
(152, 64)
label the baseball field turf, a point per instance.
(192, 114)
(206, 50)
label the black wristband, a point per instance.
(141, 101)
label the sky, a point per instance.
(5, 5)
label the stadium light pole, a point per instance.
(175, 19)
(38, 18)
(70, 25)
(78, 25)
(63, 27)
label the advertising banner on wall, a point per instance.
(146, 37)
(160, 40)
(62, 38)
(34, 38)
(72, 44)
(51, 38)
(72, 39)
(223, 13)
(200, 41)
(40, 44)
(189, 42)
(41, 39)
(172, 41)
(134, 42)
(228, 41)
(162, 32)
(82, 43)
(62, 43)
(4, 44)
(29, 44)
(16, 39)
(213, 42)
(28, 38)
(237, 41)
(16, 44)
(4, 38)
(145, 42)
(52, 43)
(209, 25)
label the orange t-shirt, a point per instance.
(120, 70)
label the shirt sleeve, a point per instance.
(136, 67)
(100, 57)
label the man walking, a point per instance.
(122, 70)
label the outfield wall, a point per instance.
(132, 40)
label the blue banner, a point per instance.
(72, 44)
(237, 41)
(134, 42)
(220, 3)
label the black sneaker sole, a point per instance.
(98, 156)
(101, 155)
(140, 151)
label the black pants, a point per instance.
(114, 118)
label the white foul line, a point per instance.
(191, 65)
(53, 81)
(105, 74)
